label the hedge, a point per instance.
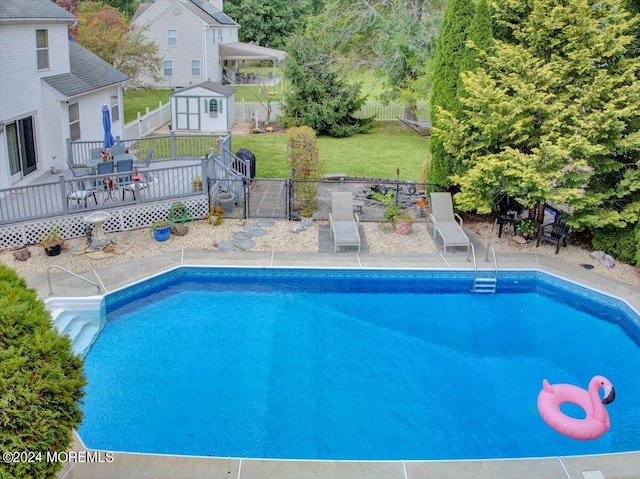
(41, 381)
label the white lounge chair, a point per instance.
(444, 222)
(343, 222)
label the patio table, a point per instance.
(94, 162)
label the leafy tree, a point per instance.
(107, 33)
(319, 96)
(269, 22)
(550, 116)
(395, 37)
(41, 381)
(450, 51)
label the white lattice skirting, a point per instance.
(123, 219)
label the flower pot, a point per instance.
(162, 234)
(307, 221)
(403, 227)
(53, 250)
(227, 201)
(197, 186)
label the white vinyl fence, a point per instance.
(150, 121)
(249, 111)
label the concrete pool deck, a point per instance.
(143, 466)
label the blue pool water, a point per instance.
(353, 365)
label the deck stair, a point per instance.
(485, 280)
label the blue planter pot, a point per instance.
(162, 234)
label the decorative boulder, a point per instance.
(179, 230)
(22, 254)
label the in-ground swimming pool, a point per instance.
(339, 364)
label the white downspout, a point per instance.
(204, 71)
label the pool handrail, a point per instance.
(55, 266)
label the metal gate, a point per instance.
(268, 198)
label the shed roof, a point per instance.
(88, 73)
(208, 85)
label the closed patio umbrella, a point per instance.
(109, 140)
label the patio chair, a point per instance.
(343, 222)
(117, 149)
(444, 222)
(147, 160)
(78, 171)
(505, 214)
(81, 190)
(555, 232)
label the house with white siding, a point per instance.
(51, 90)
(198, 41)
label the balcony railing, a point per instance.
(114, 190)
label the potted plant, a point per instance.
(161, 230)
(306, 216)
(52, 243)
(216, 215)
(528, 228)
(402, 222)
(196, 182)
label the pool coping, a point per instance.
(140, 466)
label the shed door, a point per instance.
(187, 113)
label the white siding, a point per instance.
(21, 91)
(189, 111)
(195, 42)
(23, 94)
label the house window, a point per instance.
(115, 105)
(74, 121)
(195, 68)
(42, 49)
(167, 68)
(217, 35)
(172, 38)
(214, 107)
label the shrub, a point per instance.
(621, 243)
(305, 162)
(41, 380)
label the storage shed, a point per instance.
(207, 107)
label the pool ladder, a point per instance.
(485, 280)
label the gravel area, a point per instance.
(139, 244)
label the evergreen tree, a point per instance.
(319, 96)
(550, 117)
(479, 37)
(450, 48)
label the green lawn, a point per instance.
(138, 100)
(378, 153)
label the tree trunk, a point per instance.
(410, 113)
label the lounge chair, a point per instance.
(343, 222)
(444, 222)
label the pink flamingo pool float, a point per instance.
(596, 422)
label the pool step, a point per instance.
(82, 330)
(485, 285)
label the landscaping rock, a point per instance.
(518, 240)
(99, 255)
(22, 254)
(597, 255)
(179, 230)
(607, 261)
